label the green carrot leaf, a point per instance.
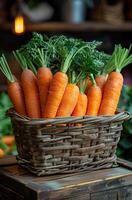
(4, 67)
(120, 58)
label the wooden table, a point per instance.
(107, 184)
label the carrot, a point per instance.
(40, 52)
(112, 89)
(14, 88)
(94, 99)
(69, 101)
(89, 84)
(56, 91)
(29, 86)
(58, 85)
(16, 95)
(81, 106)
(31, 93)
(44, 77)
(100, 80)
(111, 96)
(8, 140)
(2, 153)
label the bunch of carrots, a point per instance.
(64, 77)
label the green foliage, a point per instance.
(4, 67)
(38, 52)
(61, 53)
(125, 145)
(5, 123)
(120, 58)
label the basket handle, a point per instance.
(11, 113)
(127, 116)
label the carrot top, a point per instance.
(93, 79)
(4, 67)
(67, 47)
(24, 62)
(101, 60)
(71, 56)
(39, 50)
(119, 59)
(82, 86)
(92, 61)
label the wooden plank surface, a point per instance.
(97, 185)
(8, 160)
(63, 26)
(125, 193)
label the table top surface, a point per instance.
(58, 182)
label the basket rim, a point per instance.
(120, 116)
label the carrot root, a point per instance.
(111, 94)
(16, 95)
(8, 140)
(69, 101)
(56, 92)
(81, 106)
(100, 80)
(44, 77)
(31, 94)
(94, 100)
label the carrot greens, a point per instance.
(4, 67)
(39, 51)
(119, 59)
(24, 62)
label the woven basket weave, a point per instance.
(67, 145)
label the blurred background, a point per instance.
(109, 21)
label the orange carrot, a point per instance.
(100, 80)
(8, 140)
(113, 86)
(44, 77)
(89, 84)
(94, 99)
(56, 92)
(31, 93)
(81, 106)
(16, 95)
(29, 85)
(44, 74)
(14, 88)
(2, 153)
(111, 95)
(69, 101)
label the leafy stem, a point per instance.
(93, 79)
(4, 67)
(20, 59)
(120, 58)
(70, 57)
(82, 85)
(24, 62)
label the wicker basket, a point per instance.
(67, 145)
